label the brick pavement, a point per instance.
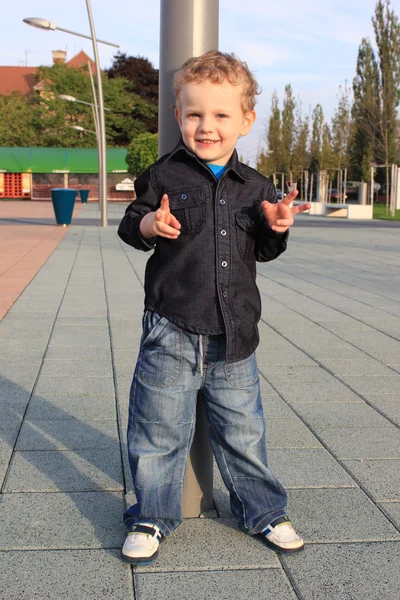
(28, 236)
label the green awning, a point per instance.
(56, 160)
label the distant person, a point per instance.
(208, 218)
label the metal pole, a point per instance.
(102, 125)
(187, 28)
(95, 110)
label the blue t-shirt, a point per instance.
(218, 170)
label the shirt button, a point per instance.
(223, 232)
(222, 201)
(224, 263)
(224, 294)
(184, 197)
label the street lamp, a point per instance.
(79, 128)
(69, 98)
(45, 24)
(95, 113)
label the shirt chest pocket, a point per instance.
(189, 207)
(246, 232)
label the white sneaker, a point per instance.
(141, 544)
(281, 537)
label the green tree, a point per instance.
(317, 129)
(341, 128)
(142, 80)
(300, 155)
(18, 119)
(142, 153)
(124, 121)
(288, 131)
(387, 37)
(366, 141)
(268, 161)
(327, 154)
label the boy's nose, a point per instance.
(206, 126)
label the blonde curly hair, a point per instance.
(217, 67)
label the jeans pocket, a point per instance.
(160, 356)
(243, 373)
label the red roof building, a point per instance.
(22, 79)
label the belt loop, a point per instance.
(201, 355)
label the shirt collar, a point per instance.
(233, 164)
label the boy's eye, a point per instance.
(193, 115)
(222, 116)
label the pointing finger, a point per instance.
(290, 197)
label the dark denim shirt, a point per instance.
(205, 281)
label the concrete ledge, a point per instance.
(349, 211)
(316, 207)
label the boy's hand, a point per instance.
(280, 216)
(160, 222)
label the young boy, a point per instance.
(209, 218)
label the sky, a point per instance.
(311, 44)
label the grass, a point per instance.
(380, 213)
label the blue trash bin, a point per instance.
(63, 203)
(84, 195)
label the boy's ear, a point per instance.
(248, 120)
(178, 116)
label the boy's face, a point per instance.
(211, 118)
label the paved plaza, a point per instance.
(329, 361)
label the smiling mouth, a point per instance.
(208, 141)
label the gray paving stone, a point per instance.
(24, 377)
(374, 385)
(393, 510)
(350, 442)
(70, 435)
(261, 584)
(340, 414)
(329, 515)
(333, 391)
(297, 468)
(219, 546)
(82, 312)
(83, 408)
(379, 477)
(289, 433)
(387, 403)
(102, 354)
(81, 320)
(282, 357)
(347, 571)
(77, 368)
(67, 471)
(82, 306)
(64, 575)
(70, 386)
(367, 366)
(84, 337)
(56, 521)
(11, 413)
(275, 407)
(294, 374)
(334, 352)
(21, 356)
(12, 393)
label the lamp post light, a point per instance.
(69, 98)
(95, 113)
(79, 128)
(48, 25)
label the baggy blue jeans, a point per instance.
(173, 365)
